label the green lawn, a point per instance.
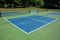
(49, 32)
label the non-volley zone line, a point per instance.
(41, 18)
(28, 25)
(37, 20)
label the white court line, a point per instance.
(42, 26)
(14, 25)
(31, 31)
(36, 20)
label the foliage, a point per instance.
(27, 3)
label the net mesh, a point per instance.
(13, 13)
(7, 13)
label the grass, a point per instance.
(10, 32)
(18, 9)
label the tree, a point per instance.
(40, 3)
(17, 3)
(2, 2)
(51, 3)
(33, 3)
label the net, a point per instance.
(9, 13)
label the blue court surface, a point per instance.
(9, 13)
(31, 23)
(55, 13)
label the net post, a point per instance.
(0, 14)
(29, 11)
(37, 10)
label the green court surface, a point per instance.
(49, 32)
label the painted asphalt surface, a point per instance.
(31, 23)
